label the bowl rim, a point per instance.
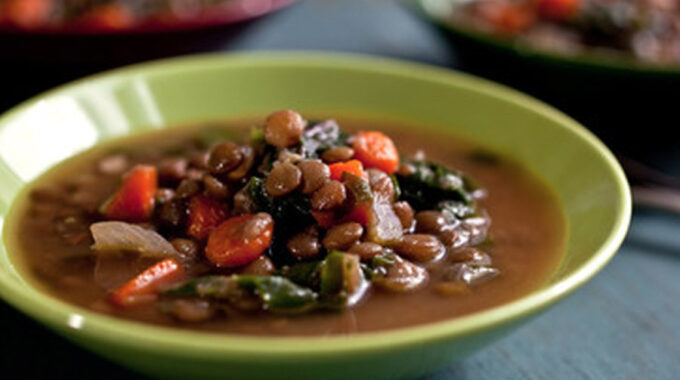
(141, 336)
(233, 14)
(621, 65)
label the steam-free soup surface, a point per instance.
(51, 242)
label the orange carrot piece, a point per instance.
(239, 240)
(134, 200)
(376, 150)
(205, 214)
(352, 166)
(146, 285)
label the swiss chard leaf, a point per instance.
(432, 183)
(321, 136)
(277, 294)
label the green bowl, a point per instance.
(588, 181)
(440, 11)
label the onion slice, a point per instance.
(126, 237)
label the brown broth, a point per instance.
(528, 235)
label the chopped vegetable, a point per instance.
(342, 280)
(430, 183)
(147, 284)
(121, 236)
(134, 200)
(204, 215)
(240, 240)
(276, 294)
(376, 150)
(322, 136)
(352, 166)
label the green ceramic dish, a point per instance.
(56, 125)
(439, 11)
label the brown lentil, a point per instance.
(337, 154)
(366, 250)
(343, 236)
(305, 244)
(329, 196)
(314, 175)
(186, 247)
(404, 213)
(224, 157)
(188, 188)
(406, 169)
(262, 266)
(246, 164)
(432, 222)
(164, 195)
(191, 310)
(448, 237)
(420, 247)
(215, 188)
(199, 160)
(173, 213)
(284, 178)
(172, 169)
(283, 128)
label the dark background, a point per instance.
(623, 324)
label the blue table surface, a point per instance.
(625, 323)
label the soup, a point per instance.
(296, 228)
(647, 30)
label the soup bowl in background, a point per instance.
(586, 178)
(613, 95)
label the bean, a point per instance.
(260, 267)
(199, 160)
(404, 213)
(173, 213)
(215, 188)
(337, 154)
(472, 256)
(406, 170)
(430, 221)
(284, 128)
(366, 250)
(402, 276)
(381, 183)
(172, 169)
(243, 204)
(448, 237)
(224, 157)
(186, 247)
(191, 310)
(343, 236)
(314, 175)
(286, 155)
(284, 178)
(305, 244)
(246, 164)
(188, 188)
(329, 196)
(420, 247)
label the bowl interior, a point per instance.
(56, 125)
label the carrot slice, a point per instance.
(27, 13)
(240, 240)
(145, 286)
(134, 200)
(352, 166)
(205, 214)
(376, 150)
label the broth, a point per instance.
(526, 239)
